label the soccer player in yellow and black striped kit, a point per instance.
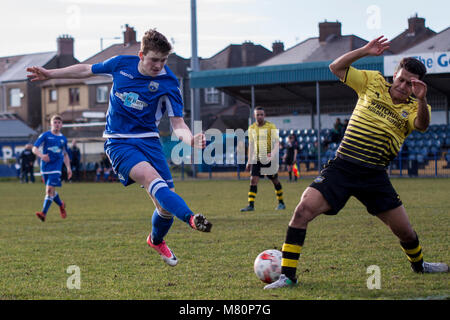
(263, 158)
(384, 116)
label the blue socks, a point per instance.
(169, 200)
(57, 199)
(160, 227)
(47, 203)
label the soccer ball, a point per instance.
(267, 265)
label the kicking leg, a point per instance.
(311, 205)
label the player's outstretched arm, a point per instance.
(72, 72)
(374, 48)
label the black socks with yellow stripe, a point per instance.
(413, 251)
(279, 192)
(252, 195)
(291, 250)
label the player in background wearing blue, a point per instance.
(143, 89)
(53, 155)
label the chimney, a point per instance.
(129, 36)
(327, 29)
(277, 47)
(65, 45)
(247, 54)
(415, 24)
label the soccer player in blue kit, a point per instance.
(54, 153)
(143, 89)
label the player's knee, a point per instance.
(164, 213)
(254, 180)
(304, 212)
(154, 184)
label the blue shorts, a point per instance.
(52, 179)
(125, 153)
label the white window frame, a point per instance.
(15, 96)
(75, 102)
(52, 95)
(99, 91)
(213, 96)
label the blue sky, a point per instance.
(28, 26)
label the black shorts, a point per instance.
(256, 170)
(341, 179)
(290, 160)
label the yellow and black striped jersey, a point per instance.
(377, 127)
(263, 138)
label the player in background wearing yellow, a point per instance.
(263, 158)
(385, 114)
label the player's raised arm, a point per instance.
(419, 88)
(374, 48)
(72, 72)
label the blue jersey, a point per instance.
(55, 146)
(137, 102)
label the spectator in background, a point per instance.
(75, 160)
(338, 124)
(447, 158)
(344, 127)
(26, 159)
(290, 156)
(17, 165)
(336, 133)
(103, 168)
(64, 176)
(312, 155)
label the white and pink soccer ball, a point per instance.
(267, 265)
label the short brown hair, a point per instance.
(412, 65)
(155, 41)
(56, 117)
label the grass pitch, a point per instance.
(107, 225)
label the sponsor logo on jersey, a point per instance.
(54, 149)
(131, 99)
(405, 114)
(319, 179)
(126, 74)
(153, 86)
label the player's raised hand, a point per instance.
(38, 74)
(377, 46)
(419, 88)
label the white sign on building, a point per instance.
(435, 62)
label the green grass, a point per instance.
(107, 224)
